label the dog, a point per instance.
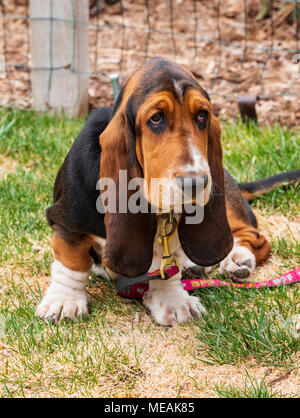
(161, 126)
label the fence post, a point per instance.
(60, 58)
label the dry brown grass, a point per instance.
(7, 166)
(276, 227)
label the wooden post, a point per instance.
(60, 58)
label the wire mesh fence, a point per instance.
(233, 47)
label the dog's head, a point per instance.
(163, 128)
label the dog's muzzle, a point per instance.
(192, 185)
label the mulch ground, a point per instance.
(208, 40)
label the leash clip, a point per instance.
(165, 239)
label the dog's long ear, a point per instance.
(208, 242)
(129, 244)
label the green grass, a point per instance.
(38, 143)
(26, 135)
(245, 324)
(90, 358)
(61, 359)
(284, 248)
(252, 153)
(252, 389)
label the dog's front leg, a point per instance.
(66, 296)
(169, 303)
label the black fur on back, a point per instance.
(75, 192)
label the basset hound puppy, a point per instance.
(161, 126)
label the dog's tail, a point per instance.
(255, 188)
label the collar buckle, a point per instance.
(165, 239)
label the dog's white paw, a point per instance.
(239, 264)
(170, 304)
(66, 296)
(56, 306)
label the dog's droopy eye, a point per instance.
(157, 119)
(201, 119)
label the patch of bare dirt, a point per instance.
(7, 166)
(276, 227)
(170, 363)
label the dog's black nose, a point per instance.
(188, 184)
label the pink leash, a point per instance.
(137, 290)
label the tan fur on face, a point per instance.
(180, 149)
(173, 152)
